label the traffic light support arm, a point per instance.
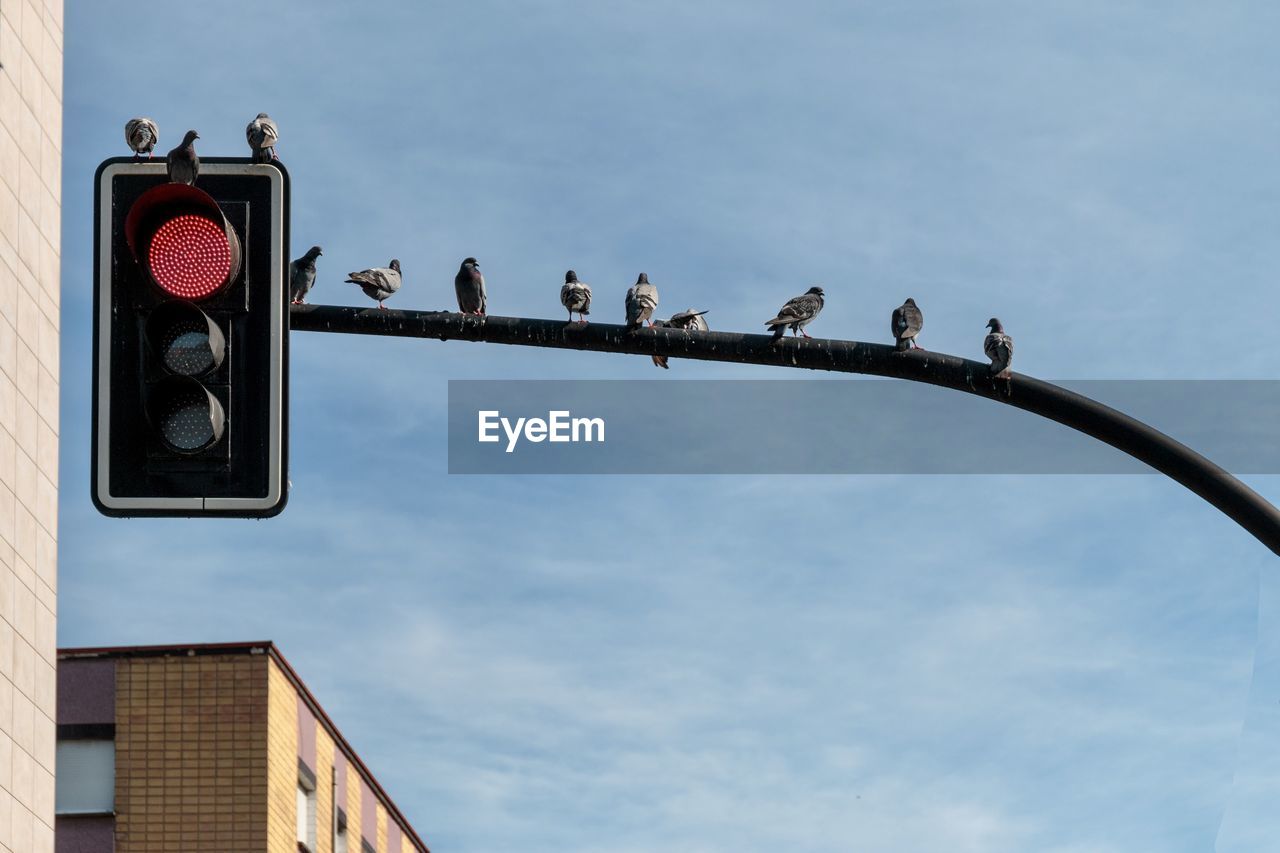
(1129, 435)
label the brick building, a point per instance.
(218, 748)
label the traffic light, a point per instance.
(190, 351)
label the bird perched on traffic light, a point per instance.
(576, 296)
(378, 283)
(302, 275)
(468, 284)
(799, 312)
(142, 135)
(998, 347)
(906, 323)
(182, 163)
(262, 135)
(641, 302)
(689, 321)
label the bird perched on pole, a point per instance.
(378, 283)
(142, 135)
(182, 163)
(262, 135)
(998, 347)
(302, 275)
(469, 285)
(906, 323)
(641, 302)
(576, 296)
(689, 321)
(799, 312)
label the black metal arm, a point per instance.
(1171, 458)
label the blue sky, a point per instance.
(623, 664)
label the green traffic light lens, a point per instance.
(186, 424)
(187, 417)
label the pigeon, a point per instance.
(142, 135)
(797, 313)
(690, 321)
(302, 275)
(378, 283)
(182, 163)
(906, 324)
(576, 296)
(469, 285)
(642, 300)
(262, 134)
(999, 348)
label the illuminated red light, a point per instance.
(190, 257)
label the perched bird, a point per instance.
(998, 347)
(378, 283)
(469, 285)
(576, 296)
(797, 313)
(262, 135)
(690, 321)
(182, 163)
(302, 275)
(142, 135)
(906, 324)
(642, 300)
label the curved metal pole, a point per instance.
(1171, 458)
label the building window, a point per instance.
(306, 817)
(340, 839)
(86, 780)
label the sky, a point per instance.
(970, 663)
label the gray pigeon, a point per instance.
(797, 313)
(302, 275)
(142, 135)
(998, 347)
(642, 300)
(906, 324)
(182, 163)
(378, 283)
(690, 321)
(576, 296)
(469, 285)
(262, 135)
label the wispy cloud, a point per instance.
(711, 663)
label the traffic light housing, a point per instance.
(190, 364)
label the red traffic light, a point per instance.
(189, 257)
(180, 236)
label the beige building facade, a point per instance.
(213, 748)
(30, 222)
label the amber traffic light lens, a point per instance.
(185, 339)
